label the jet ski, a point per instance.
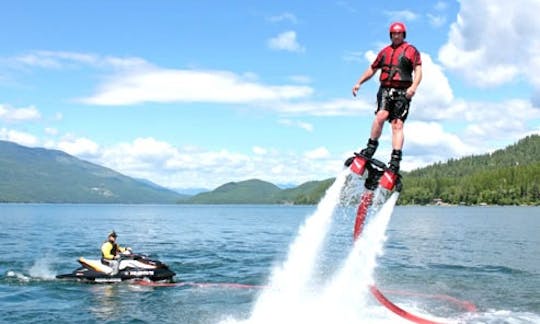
(131, 267)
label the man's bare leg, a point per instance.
(397, 145)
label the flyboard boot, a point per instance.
(358, 162)
(390, 178)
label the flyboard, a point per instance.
(380, 182)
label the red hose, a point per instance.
(365, 203)
(367, 199)
(396, 309)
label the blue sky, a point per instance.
(199, 93)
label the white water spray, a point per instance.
(344, 299)
(41, 269)
(289, 282)
(350, 285)
(19, 276)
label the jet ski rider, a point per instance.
(111, 252)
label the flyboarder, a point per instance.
(401, 72)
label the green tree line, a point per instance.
(516, 185)
(509, 176)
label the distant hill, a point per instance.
(256, 191)
(246, 192)
(307, 193)
(38, 175)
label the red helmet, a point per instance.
(398, 27)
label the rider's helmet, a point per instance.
(398, 27)
(113, 234)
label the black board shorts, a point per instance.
(394, 101)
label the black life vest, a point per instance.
(396, 67)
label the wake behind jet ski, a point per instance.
(130, 266)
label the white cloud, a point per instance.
(482, 125)
(286, 16)
(306, 126)
(436, 20)
(428, 142)
(286, 41)
(300, 79)
(9, 113)
(354, 57)
(190, 167)
(303, 125)
(54, 59)
(81, 147)
(424, 135)
(332, 107)
(60, 59)
(259, 150)
(492, 42)
(317, 154)
(434, 99)
(347, 6)
(496, 121)
(142, 151)
(134, 81)
(401, 15)
(21, 138)
(441, 6)
(51, 131)
(165, 86)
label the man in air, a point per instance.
(401, 72)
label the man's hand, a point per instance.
(355, 89)
(410, 92)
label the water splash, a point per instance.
(17, 275)
(500, 316)
(350, 284)
(290, 281)
(344, 299)
(41, 269)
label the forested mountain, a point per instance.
(505, 177)
(38, 175)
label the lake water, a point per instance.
(489, 256)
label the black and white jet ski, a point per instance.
(131, 266)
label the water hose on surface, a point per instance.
(363, 208)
